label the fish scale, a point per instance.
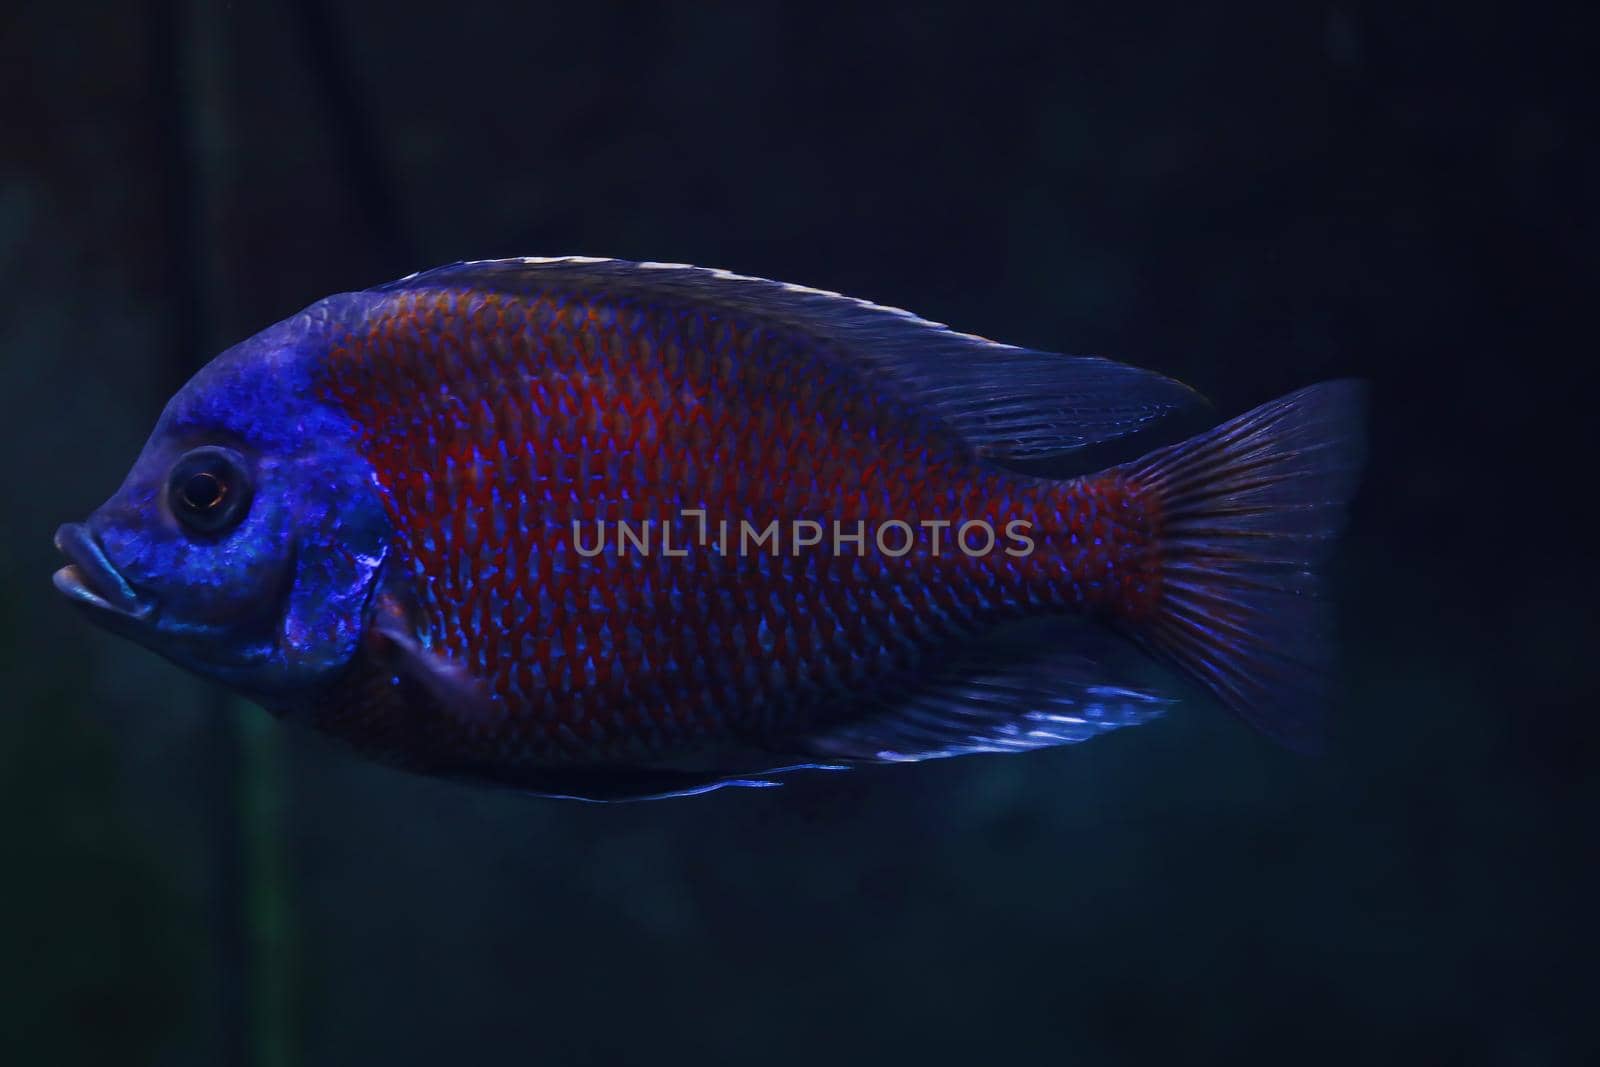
(675, 388)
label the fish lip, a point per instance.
(91, 579)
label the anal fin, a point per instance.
(1024, 686)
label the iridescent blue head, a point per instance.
(247, 540)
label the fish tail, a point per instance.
(1244, 515)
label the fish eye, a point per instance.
(209, 490)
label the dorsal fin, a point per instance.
(1006, 402)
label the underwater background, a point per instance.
(1250, 198)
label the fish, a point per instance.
(609, 530)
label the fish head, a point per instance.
(249, 537)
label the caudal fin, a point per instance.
(1247, 513)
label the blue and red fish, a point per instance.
(602, 529)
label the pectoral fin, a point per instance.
(455, 690)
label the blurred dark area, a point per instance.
(1250, 198)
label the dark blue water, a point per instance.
(1250, 201)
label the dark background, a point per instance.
(1249, 198)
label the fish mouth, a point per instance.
(91, 579)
